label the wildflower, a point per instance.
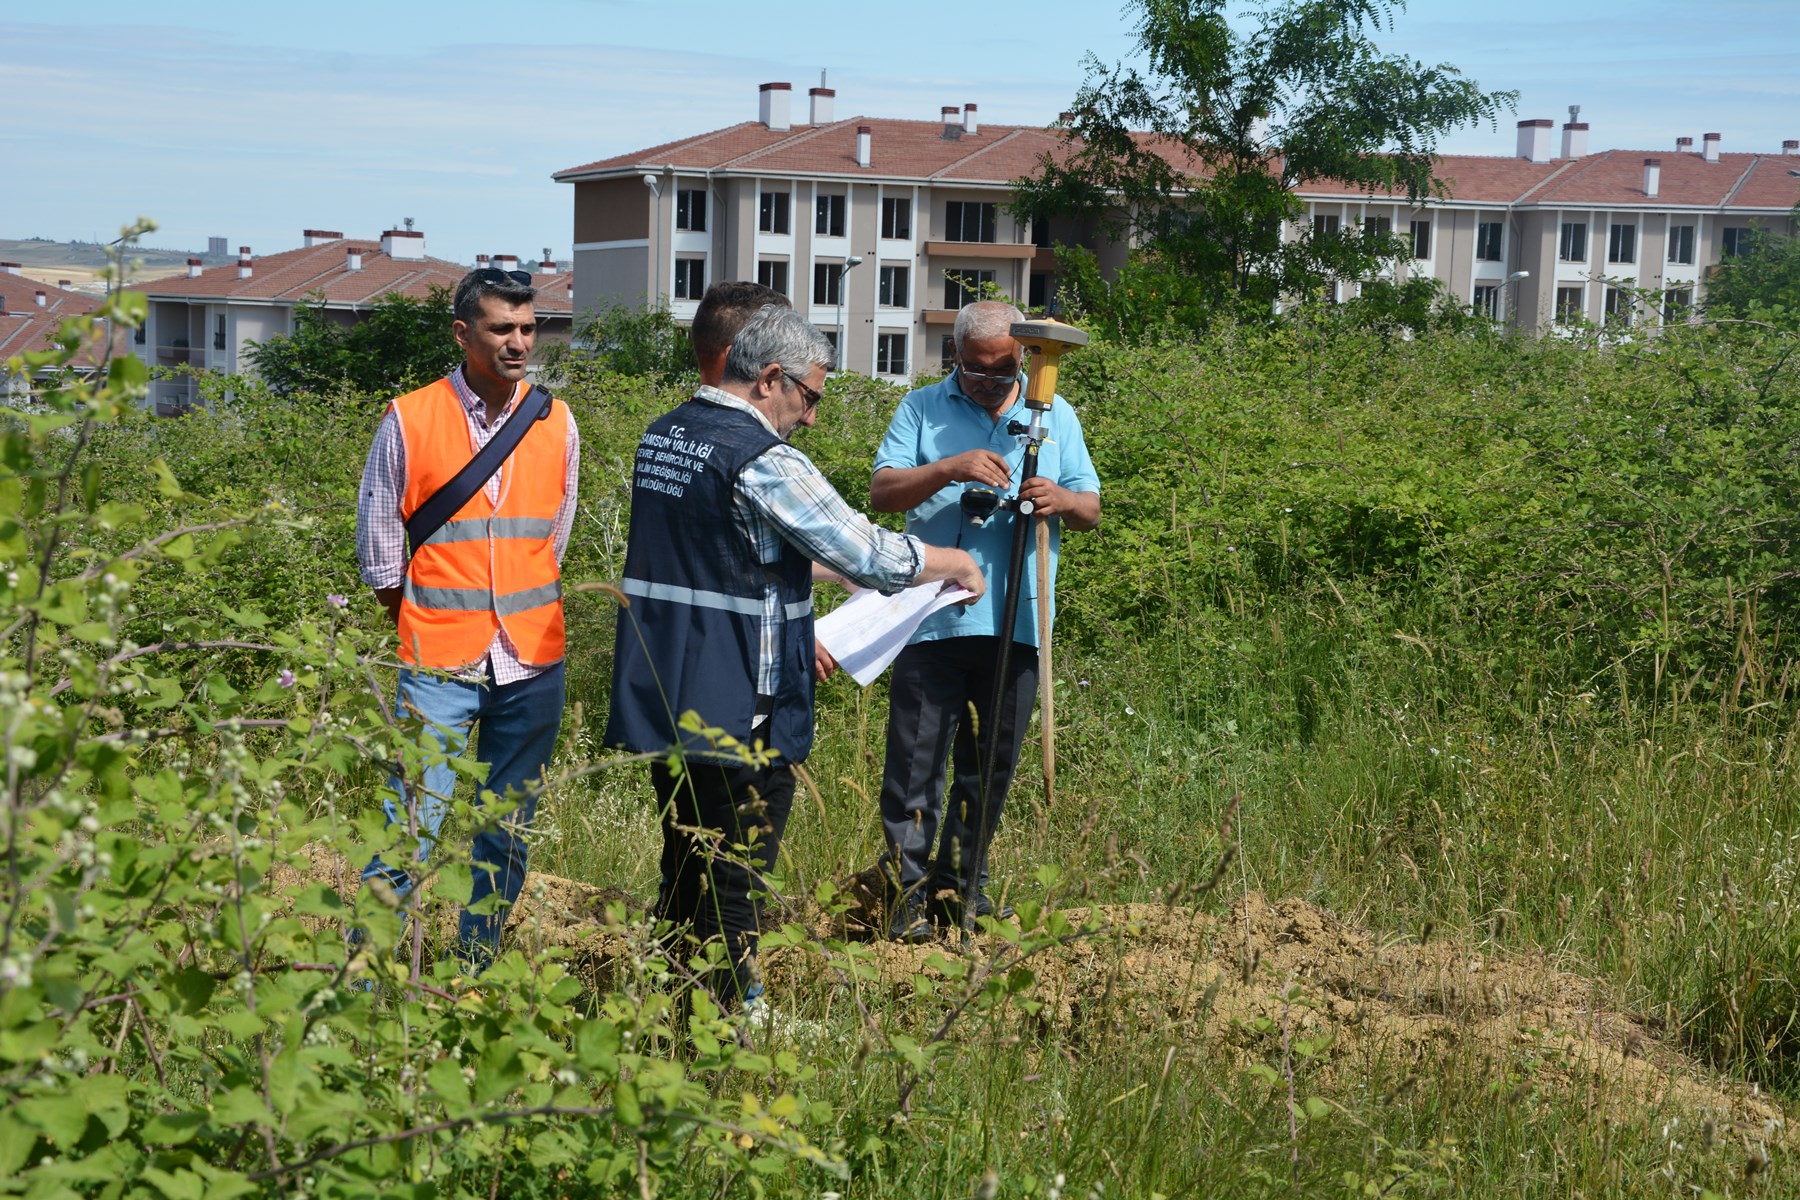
(338, 600)
(287, 677)
(1083, 683)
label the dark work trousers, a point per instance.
(934, 685)
(722, 827)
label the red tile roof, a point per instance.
(298, 275)
(998, 154)
(24, 326)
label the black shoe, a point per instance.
(907, 923)
(947, 908)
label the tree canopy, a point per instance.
(1762, 281)
(401, 343)
(1195, 159)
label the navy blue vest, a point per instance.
(691, 636)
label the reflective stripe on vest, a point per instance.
(478, 529)
(476, 600)
(742, 605)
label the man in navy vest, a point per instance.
(727, 520)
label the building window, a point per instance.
(690, 210)
(964, 287)
(1490, 241)
(830, 222)
(138, 334)
(896, 218)
(1421, 239)
(1737, 240)
(1681, 243)
(947, 353)
(828, 280)
(1678, 302)
(890, 354)
(1040, 233)
(892, 289)
(772, 273)
(969, 221)
(1487, 300)
(1621, 244)
(1325, 223)
(1570, 303)
(1617, 305)
(831, 336)
(219, 332)
(1572, 247)
(1377, 226)
(772, 213)
(690, 278)
(1039, 295)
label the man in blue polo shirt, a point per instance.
(944, 439)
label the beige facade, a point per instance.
(791, 204)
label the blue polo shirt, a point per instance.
(940, 421)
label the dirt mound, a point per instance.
(1241, 981)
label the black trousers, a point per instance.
(722, 827)
(934, 686)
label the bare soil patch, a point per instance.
(1235, 981)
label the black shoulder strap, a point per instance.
(443, 504)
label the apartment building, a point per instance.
(1543, 239)
(30, 314)
(878, 228)
(883, 228)
(206, 319)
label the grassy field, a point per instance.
(1424, 820)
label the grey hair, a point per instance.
(779, 335)
(473, 289)
(985, 319)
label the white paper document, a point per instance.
(868, 630)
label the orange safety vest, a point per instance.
(489, 566)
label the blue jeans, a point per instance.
(519, 724)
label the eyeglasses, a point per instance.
(812, 397)
(989, 379)
(496, 275)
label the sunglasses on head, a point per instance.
(496, 275)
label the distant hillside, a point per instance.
(40, 252)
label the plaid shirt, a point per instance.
(381, 533)
(781, 497)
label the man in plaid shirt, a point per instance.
(479, 604)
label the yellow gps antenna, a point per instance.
(1048, 341)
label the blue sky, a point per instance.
(254, 121)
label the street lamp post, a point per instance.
(844, 270)
(1515, 277)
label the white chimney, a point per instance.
(1652, 175)
(1710, 146)
(1684, 145)
(193, 265)
(1575, 138)
(952, 121)
(11, 268)
(65, 284)
(970, 126)
(1534, 140)
(481, 260)
(407, 244)
(864, 135)
(1790, 147)
(823, 101)
(318, 237)
(773, 100)
(506, 262)
(42, 300)
(243, 262)
(352, 258)
(546, 264)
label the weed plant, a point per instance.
(1464, 639)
